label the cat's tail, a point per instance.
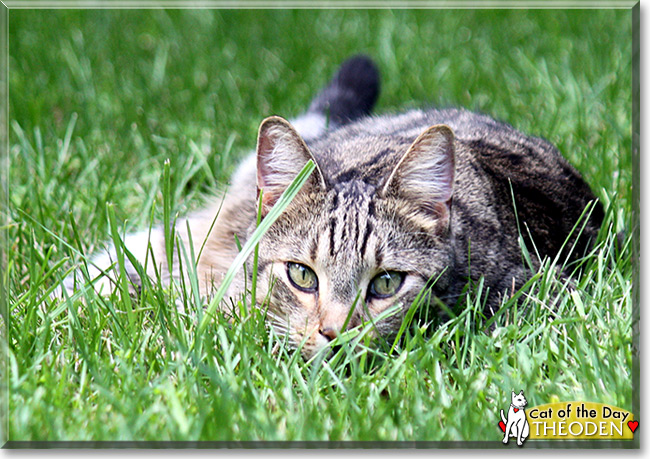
(351, 94)
(503, 418)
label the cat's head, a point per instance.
(344, 252)
(518, 400)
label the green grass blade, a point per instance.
(250, 245)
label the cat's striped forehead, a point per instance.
(351, 227)
(368, 159)
(350, 222)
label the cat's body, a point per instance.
(516, 424)
(396, 202)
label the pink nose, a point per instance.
(328, 333)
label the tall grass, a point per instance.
(149, 111)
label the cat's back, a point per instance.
(370, 148)
(497, 169)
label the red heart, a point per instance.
(633, 425)
(516, 409)
(502, 426)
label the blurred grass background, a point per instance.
(99, 99)
(142, 85)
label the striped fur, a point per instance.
(426, 193)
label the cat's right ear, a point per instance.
(425, 174)
(281, 155)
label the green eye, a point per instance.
(302, 277)
(386, 284)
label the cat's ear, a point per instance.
(281, 155)
(425, 173)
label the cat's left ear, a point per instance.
(281, 155)
(425, 174)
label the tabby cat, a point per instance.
(396, 204)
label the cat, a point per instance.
(516, 424)
(397, 203)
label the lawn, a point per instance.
(117, 115)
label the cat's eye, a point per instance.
(386, 284)
(302, 277)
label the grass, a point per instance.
(151, 110)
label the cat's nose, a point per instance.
(328, 333)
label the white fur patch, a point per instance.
(105, 262)
(310, 125)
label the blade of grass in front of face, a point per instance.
(284, 200)
(256, 253)
(413, 308)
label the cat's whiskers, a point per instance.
(282, 328)
(277, 321)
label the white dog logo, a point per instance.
(516, 425)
